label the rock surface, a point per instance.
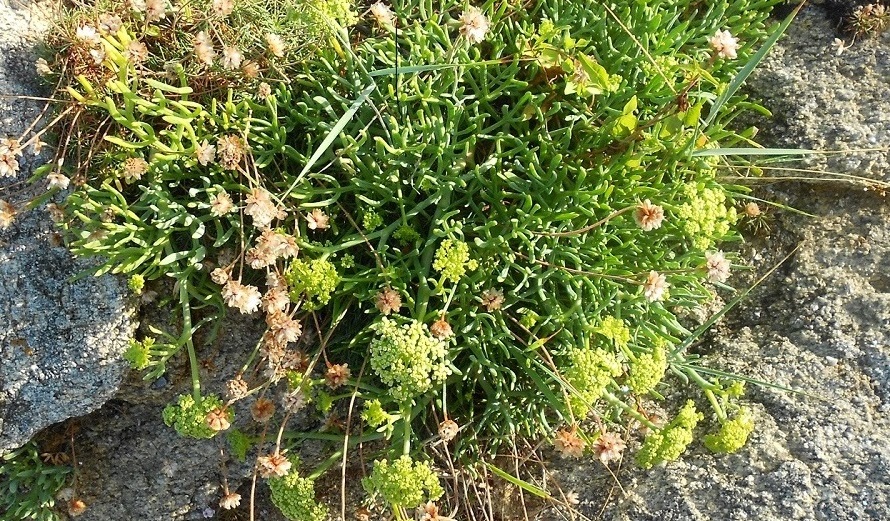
(819, 325)
(60, 340)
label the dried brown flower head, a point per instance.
(648, 216)
(43, 69)
(205, 153)
(430, 512)
(223, 8)
(134, 169)
(221, 204)
(7, 214)
(230, 150)
(87, 35)
(245, 298)
(275, 44)
(724, 44)
(56, 180)
(492, 299)
(76, 507)
(232, 58)
(383, 15)
(264, 90)
(261, 208)
(219, 276)
(250, 69)
(218, 419)
(155, 10)
(9, 149)
(137, 52)
(608, 447)
(752, 209)
(337, 375)
(55, 212)
(388, 301)
(262, 410)
(293, 401)
(204, 48)
(441, 329)
(276, 300)
(236, 388)
(568, 443)
(655, 286)
(317, 219)
(109, 23)
(230, 501)
(448, 430)
(274, 466)
(717, 266)
(283, 328)
(474, 25)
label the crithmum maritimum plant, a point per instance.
(475, 223)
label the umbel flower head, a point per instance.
(189, 416)
(453, 260)
(590, 371)
(668, 443)
(646, 370)
(295, 496)
(732, 434)
(407, 358)
(403, 482)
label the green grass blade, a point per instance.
(332, 135)
(752, 152)
(524, 485)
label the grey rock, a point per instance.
(60, 339)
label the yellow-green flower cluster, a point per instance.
(402, 482)
(189, 417)
(615, 330)
(315, 279)
(647, 370)
(371, 220)
(139, 353)
(136, 283)
(374, 414)
(589, 372)
(343, 11)
(732, 434)
(704, 216)
(295, 497)
(453, 260)
(407, 358)
(668, 443)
